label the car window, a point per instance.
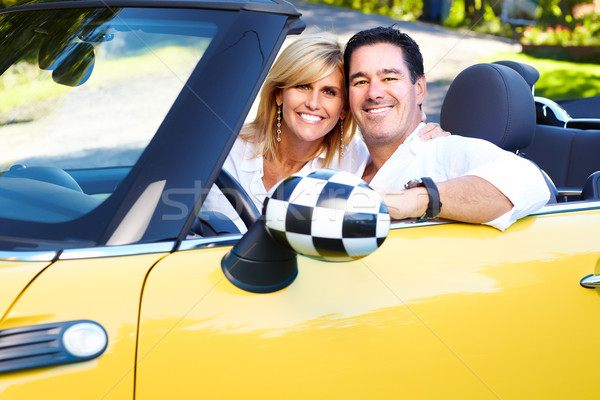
(77, 95)
(83, 89)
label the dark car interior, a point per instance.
(506, 113)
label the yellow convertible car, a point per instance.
(115, 119)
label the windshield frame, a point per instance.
(268, 6)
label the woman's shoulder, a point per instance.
(243, 148)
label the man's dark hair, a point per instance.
(410, 49)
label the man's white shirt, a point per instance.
(246, 166)
(455, 156)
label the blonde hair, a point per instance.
(306, 60)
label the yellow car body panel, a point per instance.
(105, 290)
(451, 311)
(14, 277)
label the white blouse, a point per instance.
(455, 156)
(247, 168)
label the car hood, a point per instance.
(15, 276)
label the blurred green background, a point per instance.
(561, 38)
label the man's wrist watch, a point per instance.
(435, 205)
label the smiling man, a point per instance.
(454, 177)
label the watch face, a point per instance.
(413, 183)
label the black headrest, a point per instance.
(492, 102)
(529, 73)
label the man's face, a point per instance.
(384, 101)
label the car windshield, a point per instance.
(74, 84)
(83, 94)
(86, 88)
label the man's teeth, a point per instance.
(378, 110)
(312, 118)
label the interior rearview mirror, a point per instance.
(71, 63)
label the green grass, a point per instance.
(558, 79)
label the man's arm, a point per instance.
(467, 199)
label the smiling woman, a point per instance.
(309, 75)
(302, 123)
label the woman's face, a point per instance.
(310, 111)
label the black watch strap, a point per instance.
(435, 205)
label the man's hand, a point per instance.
(404, 204)
(431, 131)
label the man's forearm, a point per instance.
(468, 199)
(472, 199)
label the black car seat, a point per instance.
(527, 72)
(547, 112)
(566, 143)
(492, 102)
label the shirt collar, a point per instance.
(412, 141)
(318, 161)
(254, 163)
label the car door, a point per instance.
(453, 311)
(101, 285)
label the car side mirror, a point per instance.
(327, 214)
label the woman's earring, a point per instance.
(279, 123)
(341, 137)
